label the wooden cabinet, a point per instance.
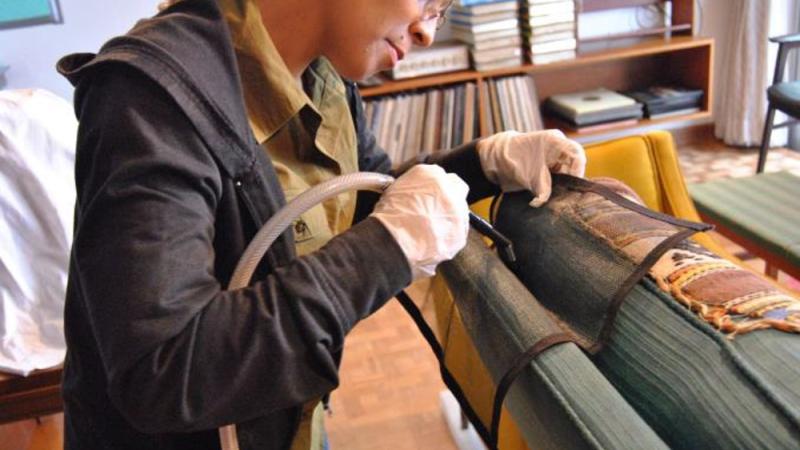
(668, 54)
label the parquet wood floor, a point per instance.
(389, 393)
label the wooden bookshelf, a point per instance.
(679, 59)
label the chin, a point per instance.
(356, 70)
(356, 73)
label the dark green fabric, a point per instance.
(561, 401)
(695, 386)
(574, 208)
(764, 208)
(785, 97)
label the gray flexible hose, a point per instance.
(276, 225)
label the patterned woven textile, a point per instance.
(705, 352)
(580, 232)
(723, 294)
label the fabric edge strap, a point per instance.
(582, 185)
(513, 372)
(447, 377)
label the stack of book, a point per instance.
(407, 124)
(667, 101)
(549, 30)
(491, 29)
(594, 110)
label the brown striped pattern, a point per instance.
(732, 299)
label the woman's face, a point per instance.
(363, 37)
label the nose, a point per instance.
(423, 32)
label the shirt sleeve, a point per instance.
(180, 352)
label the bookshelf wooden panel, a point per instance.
(673, 56)
(682, 60)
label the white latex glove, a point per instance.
(523, 161)
(426, 212)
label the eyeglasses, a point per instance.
(435, 9)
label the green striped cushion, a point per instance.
(764, 208)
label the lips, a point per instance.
(398, 51)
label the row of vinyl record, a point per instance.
(407, 124)
(511, 104)
(426, 121)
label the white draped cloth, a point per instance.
(741, 108)
(37, 195)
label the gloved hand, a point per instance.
(426, 212)
(523, 161)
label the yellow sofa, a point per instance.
(649, 164)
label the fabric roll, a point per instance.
(706, 352)
(560, 400)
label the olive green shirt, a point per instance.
(304, 125)
(306, 128)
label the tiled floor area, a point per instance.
(712, 161)
(388, 398)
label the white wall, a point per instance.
(32, 52)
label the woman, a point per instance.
(194, 129)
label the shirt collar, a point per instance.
(272, 94)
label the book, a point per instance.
(664, 99)
(447, 119)
(529, 103)
(623, 112)
(438, 119)
(482, 57)
(485, 8)
(558, 36)
(432, 102)
(554, 46)
(486, 27)
(469, 36)
(458, 116)
(533, 103)
(475, 2)
(438, 58)
(496, 117)
(499, 64)
(559, 27)
(546, 58)
(605, 126)
(505, 108)
(510, 41)
(469, 112)
(548, 19)
(470, 19)
(559, 7)
(539, 2)
(594, 100)
(557, 122)
(486, 107)
(383, 126)
(676, 112)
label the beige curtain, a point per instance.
(744, 80)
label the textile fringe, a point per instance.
(738, 315)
